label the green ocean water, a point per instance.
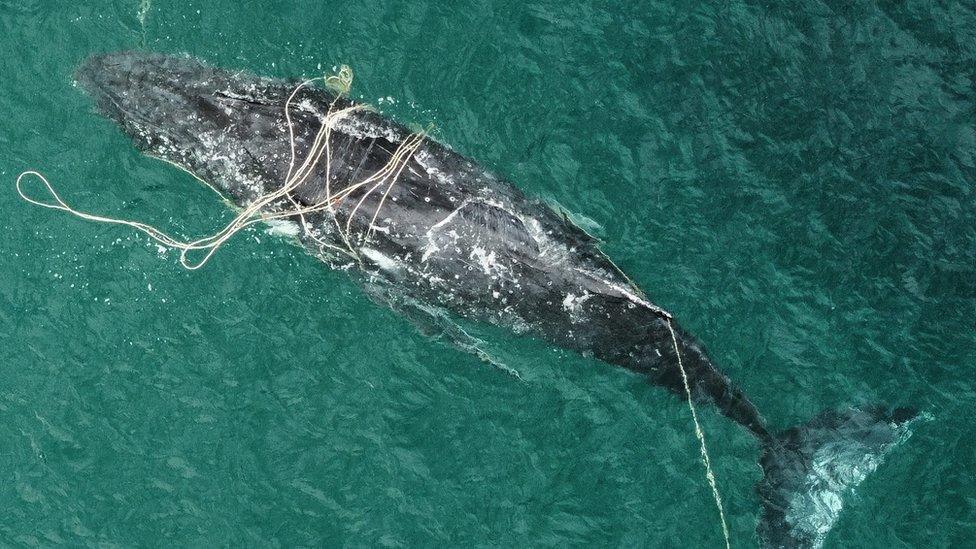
(795, 181)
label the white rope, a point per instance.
(701, 439)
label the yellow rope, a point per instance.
(341, 82)
(701, 439)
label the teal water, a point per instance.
(794, 181)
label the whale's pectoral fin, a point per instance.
(439, 326)
(809, 469)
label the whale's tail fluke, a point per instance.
(808, 469)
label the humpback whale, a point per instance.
(446, 236)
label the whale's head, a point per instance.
(154, 98)
(228, 128)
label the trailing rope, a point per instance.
(701, 439)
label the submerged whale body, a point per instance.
(452, 237)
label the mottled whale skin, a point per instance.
(452, 236)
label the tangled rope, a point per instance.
(266, 207)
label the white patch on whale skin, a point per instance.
(362, 128)
(382, 261)
(573, 304)
(427, 162)
(485, 259)
(431, 248)
(282, 227)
